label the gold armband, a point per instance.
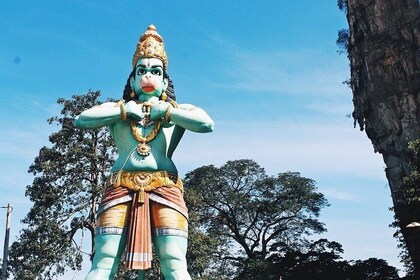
(168, 110)
(174, 104)
(123, 113)
(168, 114)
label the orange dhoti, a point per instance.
(140, 204)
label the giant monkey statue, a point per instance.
(143, 200)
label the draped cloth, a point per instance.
(139, 239)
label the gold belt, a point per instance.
(145, 181)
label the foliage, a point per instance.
(322, 261)
(152, 274)
(255, 226)
(343, 34)
(408, 203)
(342, 5)
(68, 182)
(205, 253)
(251, 214)
(372, 269)
(343, 41)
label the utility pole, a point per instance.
(6, 243)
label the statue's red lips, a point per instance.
(148, 88)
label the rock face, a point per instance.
(384, 53)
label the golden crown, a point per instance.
(150, 45)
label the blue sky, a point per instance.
(267, 72)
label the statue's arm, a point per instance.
(191, 118)
(107, 114)
(98, 116)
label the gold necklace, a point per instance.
(143, 148)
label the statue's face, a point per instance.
(148, 78)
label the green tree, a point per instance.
(69, 177)
(372, 269)
(251, 214)
(321, 260)
(408, 203)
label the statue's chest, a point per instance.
(144, 136)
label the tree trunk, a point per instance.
(384, 53)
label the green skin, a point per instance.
(148, 83)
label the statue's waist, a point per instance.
(144, 180)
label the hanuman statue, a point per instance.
(143, 199)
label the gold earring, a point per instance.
(132, 94)
(163, 96)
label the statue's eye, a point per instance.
(156, 72)
(141, 71)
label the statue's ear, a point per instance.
(132, 82)
(165, 84)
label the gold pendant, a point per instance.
(143, 149)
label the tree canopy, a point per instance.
(256, 226)
(251, 213)
(68, 182)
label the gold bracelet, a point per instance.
(123, 112)
(168, 114)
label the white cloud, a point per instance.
(340, 195)
(333, 107)
(285, 73)
(305, 71)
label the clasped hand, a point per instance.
(138, 112)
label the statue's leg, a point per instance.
(110, 241)
(171, 230)
(172, 252)
(108, 250)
